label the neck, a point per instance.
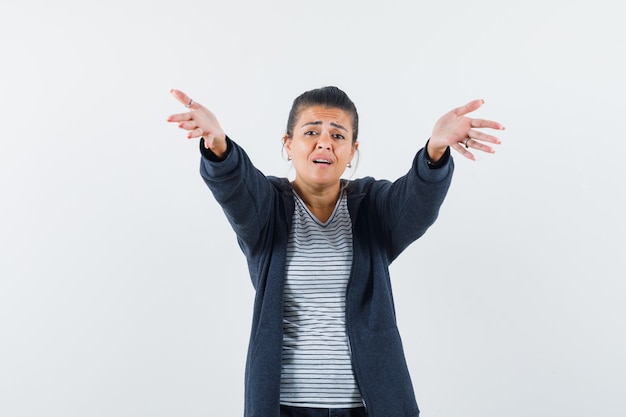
(321, 201)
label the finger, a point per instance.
(188, 125)
(180, 96)
(185, 99)
(478, 135)
(469, 107)
(180, 117)
(195, 133)
(482, 123)
(463, 151)
(474, 144)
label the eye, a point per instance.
(310, 133)
(338, 136)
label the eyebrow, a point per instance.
(319, 122)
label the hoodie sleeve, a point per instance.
(244, 193)
(407, 207)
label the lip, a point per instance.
(327, 160)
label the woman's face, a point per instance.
(321, 146)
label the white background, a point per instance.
(122, 289)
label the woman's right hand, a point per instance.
(199, 122)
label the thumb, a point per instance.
(469, 107)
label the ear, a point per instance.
(287, 142)
(355, 147)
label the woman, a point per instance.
(324, 339)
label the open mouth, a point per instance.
(321, 161)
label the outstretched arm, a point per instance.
(199, 122)
(459, 132)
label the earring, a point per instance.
(289, 158)
(349, 165)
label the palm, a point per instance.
(453, 128)
(460, 133)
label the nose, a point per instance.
(324, 141)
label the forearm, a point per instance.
(410, 205)
(243, 192)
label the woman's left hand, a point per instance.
(459, 132)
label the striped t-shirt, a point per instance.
(316, 367)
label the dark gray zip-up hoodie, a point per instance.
(386, 218)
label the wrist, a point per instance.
(435, 153)
(436, 158)
(219, 146)
(217, 150)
